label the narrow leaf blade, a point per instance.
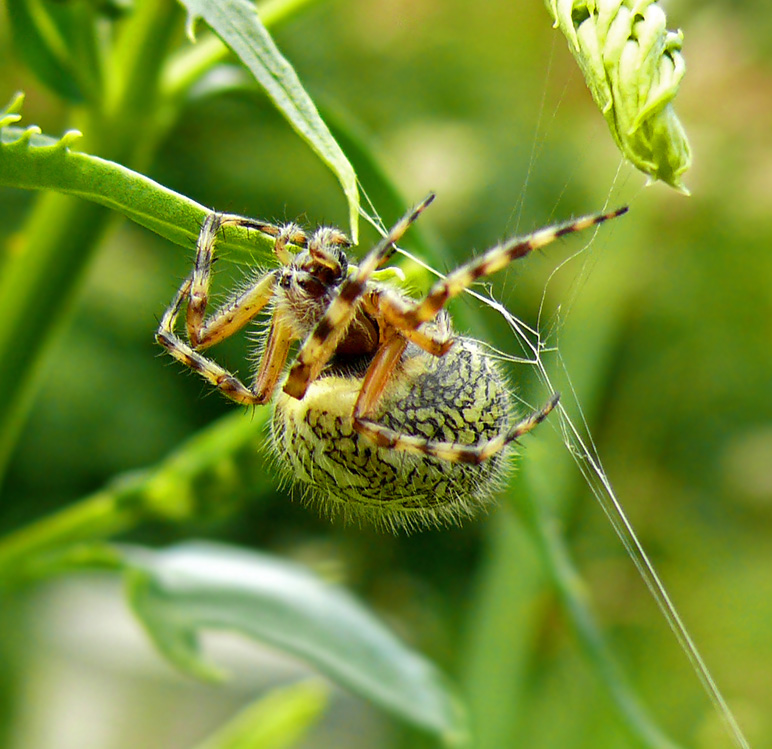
(237, 23)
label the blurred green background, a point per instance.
(667, 337)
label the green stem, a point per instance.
(570, 590)
(227, 459)
(40, 282)
(36, 295)
(99, 516)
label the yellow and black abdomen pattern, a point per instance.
(459, 398)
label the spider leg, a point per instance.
(218, 376)
(271, 365)
(320, 345)
(203, 332)
(488, 263)
(234, 315)
(284, 235)
(451, 451)
(408, 320)
(385, 361)
(392, 308)
(377, 376)
(272, 361)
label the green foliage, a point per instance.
(353, 647)
(276, 721)
(185, 589)
(45, 36)
(102, 441)
(33, 161)
(239, 26)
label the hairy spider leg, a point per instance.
(230, 318)
(403, 319)
(452, 452)
(284, 235)
(406, 318)
(492, 261)
(380, 370)
(320, 344)
(236, 313)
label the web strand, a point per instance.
(585, 454)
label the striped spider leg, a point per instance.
(203, 332)
(385, 414)
(402, 322)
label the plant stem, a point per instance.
(100, 516)
(40, 282)
(36, 295)
(228, 455)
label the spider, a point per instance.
(386, 414)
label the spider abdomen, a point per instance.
(383, 415)
(459, 398)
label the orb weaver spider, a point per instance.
(385, 414)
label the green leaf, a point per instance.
(633, 67)
(275, 721)
(192, 587)
(237, 23)
(32, 161)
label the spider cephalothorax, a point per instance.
(385, 414)
(305, 286)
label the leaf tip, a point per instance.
(14, 106)
(11, 112)
(190, 27)
(70, 137)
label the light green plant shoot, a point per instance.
(633, 67)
